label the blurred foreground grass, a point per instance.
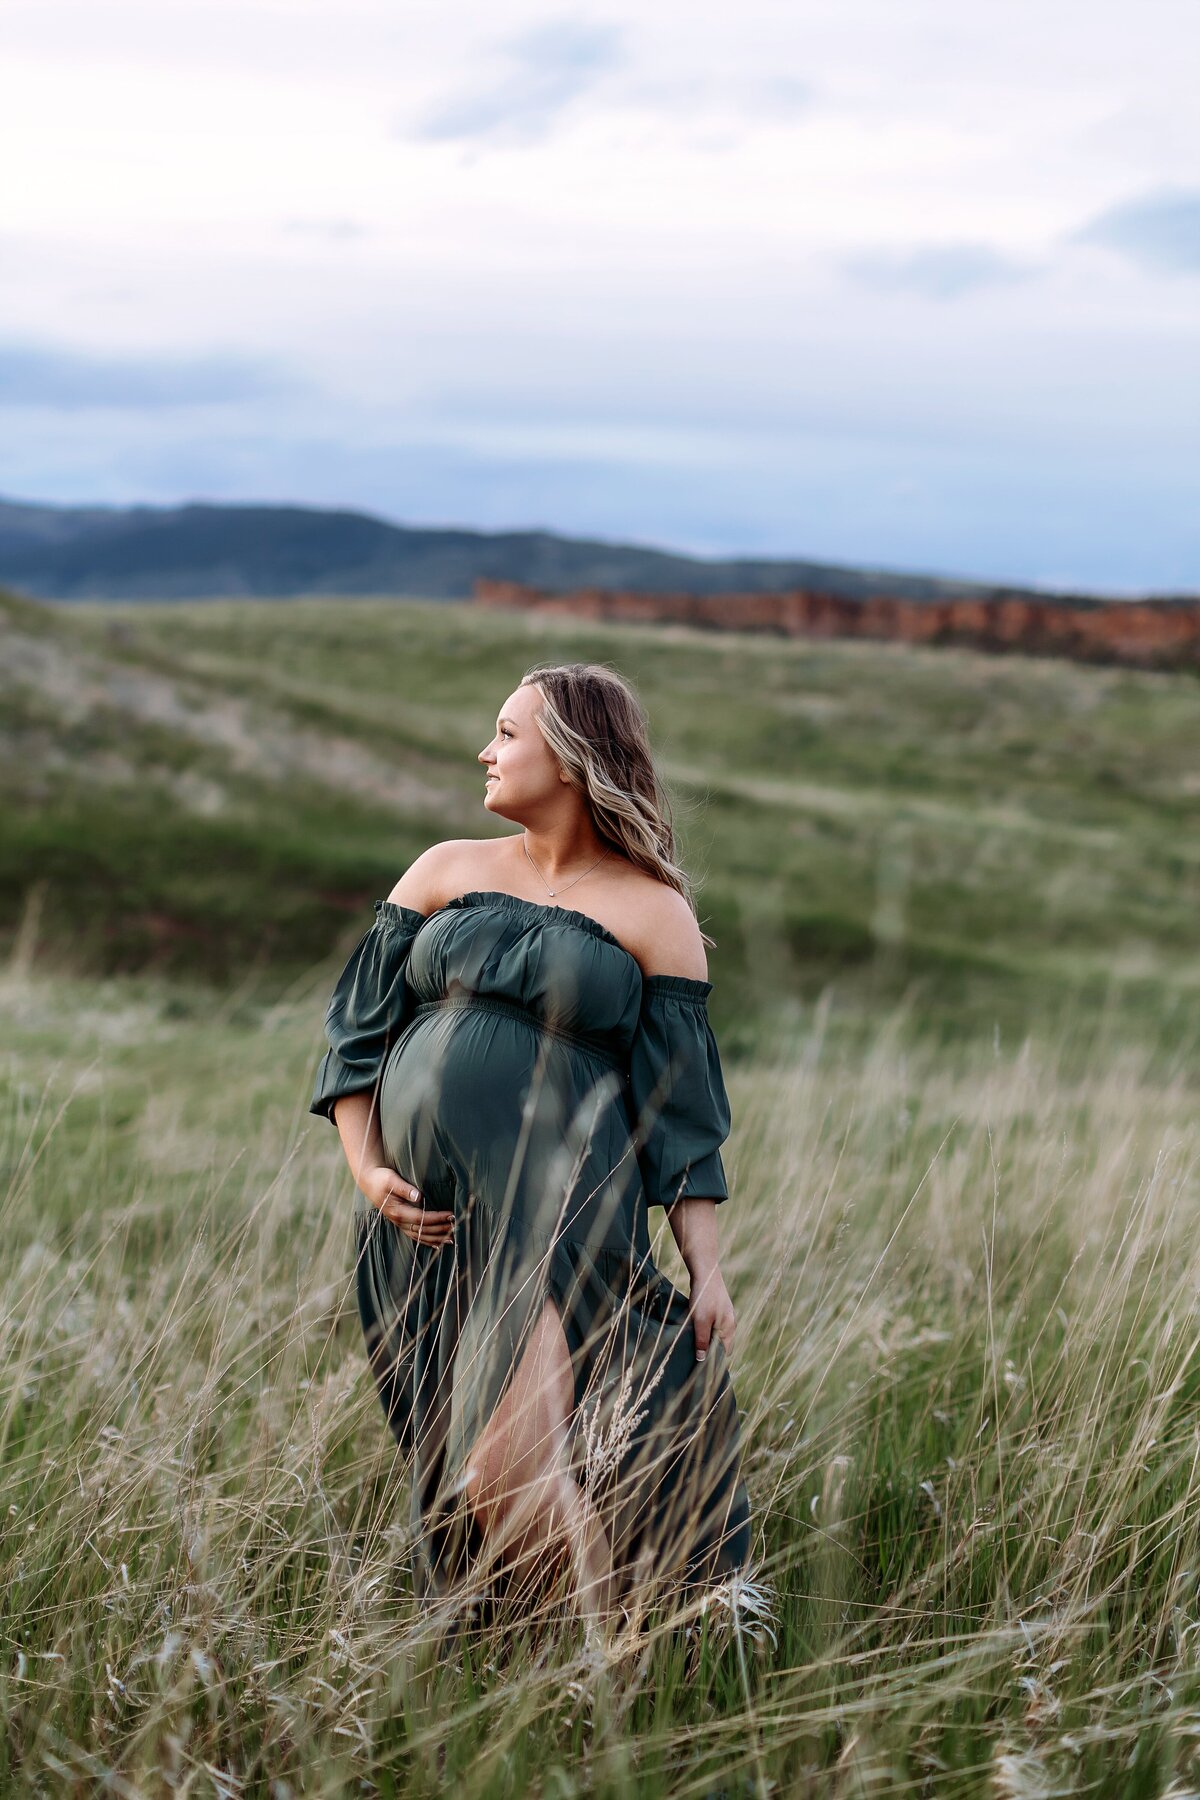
(954, 902)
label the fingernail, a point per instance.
(700, 1355)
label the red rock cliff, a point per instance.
(1156, 634)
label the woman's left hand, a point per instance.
(711, 1310)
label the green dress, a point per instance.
(529, 1077)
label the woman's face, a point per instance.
(522, 770)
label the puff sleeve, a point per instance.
(679, 1105)
(370, 1005)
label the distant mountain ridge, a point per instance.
(214, 551)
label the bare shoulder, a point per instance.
(439, 873)
(668, 937)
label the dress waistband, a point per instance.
(494, 1003)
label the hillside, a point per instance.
(219, 792)
(202, 551)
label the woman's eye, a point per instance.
(504, 732)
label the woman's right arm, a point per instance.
(357, 1119)
(422, 888)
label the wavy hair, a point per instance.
(597, 728)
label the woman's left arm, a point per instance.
(694, 1226)
(678, 1087)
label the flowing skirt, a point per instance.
(527, 1142)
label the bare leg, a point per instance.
(519, 1481)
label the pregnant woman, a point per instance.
(516, 1081)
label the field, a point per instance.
(957, 989)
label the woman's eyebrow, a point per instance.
(505, 721)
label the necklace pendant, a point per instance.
(550, 891)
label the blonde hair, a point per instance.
(597, 728)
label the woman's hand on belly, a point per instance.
(399, 1201)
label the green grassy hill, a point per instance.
(220, 790)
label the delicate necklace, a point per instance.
(552, 891)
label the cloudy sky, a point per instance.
(915, 286)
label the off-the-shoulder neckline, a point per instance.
(683, 985)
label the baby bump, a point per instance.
(484, 1101)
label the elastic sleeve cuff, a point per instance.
(335, 1078)
(706, 1179)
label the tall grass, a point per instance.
(954, 902)
(968, 1289)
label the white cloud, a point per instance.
(1159, 231)
(941, 271)
(543, 71)
(48, 377)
